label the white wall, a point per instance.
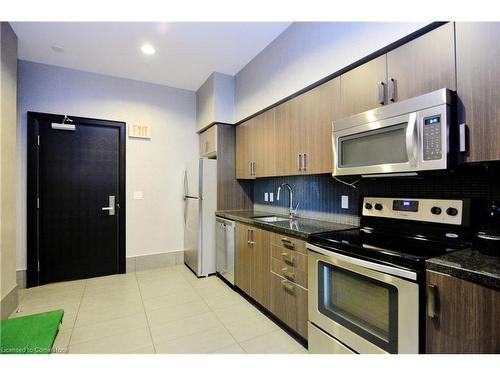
(153, 166)
(215, 100)
(305, 53)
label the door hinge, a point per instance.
(38, 140)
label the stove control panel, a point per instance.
(444, 211)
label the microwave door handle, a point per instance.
(411, 139)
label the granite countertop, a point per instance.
(470, 265)
(299, 227)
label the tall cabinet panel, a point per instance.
(423, 65)
(287, 132)
(260, 274)
(321, 106)
(359, 87)
(243, 258)
(478, 87)
(244, 149)
(264, 152)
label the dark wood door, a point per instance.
(478, 87)
(465, 319)
(78, 171)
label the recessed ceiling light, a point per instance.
(57, 48)
(148, 49)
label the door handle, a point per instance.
(381, 93)
(304, 158)
(111, 207)
(299, 162)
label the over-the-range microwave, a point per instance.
(403, 138)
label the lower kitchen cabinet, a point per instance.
(462, 317)
(289, 303)
(253, 262)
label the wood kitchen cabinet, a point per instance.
(321, 107)
(423, 65)
(287, 145)
(465, 316)
(288, 299)
(478, 87)
(208, 142)
(264, 138)
(245, 149)
(252, 262)
(360, 87)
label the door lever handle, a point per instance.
(111, 207)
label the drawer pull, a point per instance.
(287, 274)
(288, 259)
(288, 243)
(290, 288)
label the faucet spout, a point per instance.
(291, 210)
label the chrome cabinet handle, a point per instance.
(287, 286)
(391, 90)
(304, 167)
(431, 301)
(253, 168)
(288, 243)
(299, 162)
(111, 207)
(381, 93)
(288, 274)
(288, 259)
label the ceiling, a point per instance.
(186, 52)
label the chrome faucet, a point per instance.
(292, 211)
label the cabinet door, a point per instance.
(260, 267)
(208, 142)
(478, 87)
(423, 65)
(287, 137)
(321, 106)
(243, 259)
(264, 152)
(359, 87)
(244, 149)
(466, 316)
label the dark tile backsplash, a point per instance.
(321, 194)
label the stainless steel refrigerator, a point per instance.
(200, 203)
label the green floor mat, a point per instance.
(31, 334)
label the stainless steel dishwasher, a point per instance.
(225, 234)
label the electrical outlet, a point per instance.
(344, 202)
(271, 197)
(266, 197)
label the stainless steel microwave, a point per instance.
(402, 138)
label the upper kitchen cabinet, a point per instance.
(264, 153)
(208, 142)
(288, 120)
(245, 150)
(321, 106)
(363, 88)
(478, 87)
(423, 65)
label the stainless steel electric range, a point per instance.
(367, 285)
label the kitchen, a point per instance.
(354, 211)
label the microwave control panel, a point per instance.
(432, 138)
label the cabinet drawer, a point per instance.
(290, 257)
(289, 243)
(289, 272)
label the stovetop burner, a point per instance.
(406, 241)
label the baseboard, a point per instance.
(9, 303)
(152, 261)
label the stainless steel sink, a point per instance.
(270, 219)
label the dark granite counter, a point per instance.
(299, 227)
(469, 265)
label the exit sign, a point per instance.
(139, 131)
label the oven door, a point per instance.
(378, 147)
(362, 304)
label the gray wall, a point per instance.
(305, 53)
(215, 100)
(8, 94)
(155, 167)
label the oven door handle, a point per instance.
(411, 139)
(363, 263)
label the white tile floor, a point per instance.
(166, 310)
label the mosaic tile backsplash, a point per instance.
(319, 196)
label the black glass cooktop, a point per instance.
(405, 249)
